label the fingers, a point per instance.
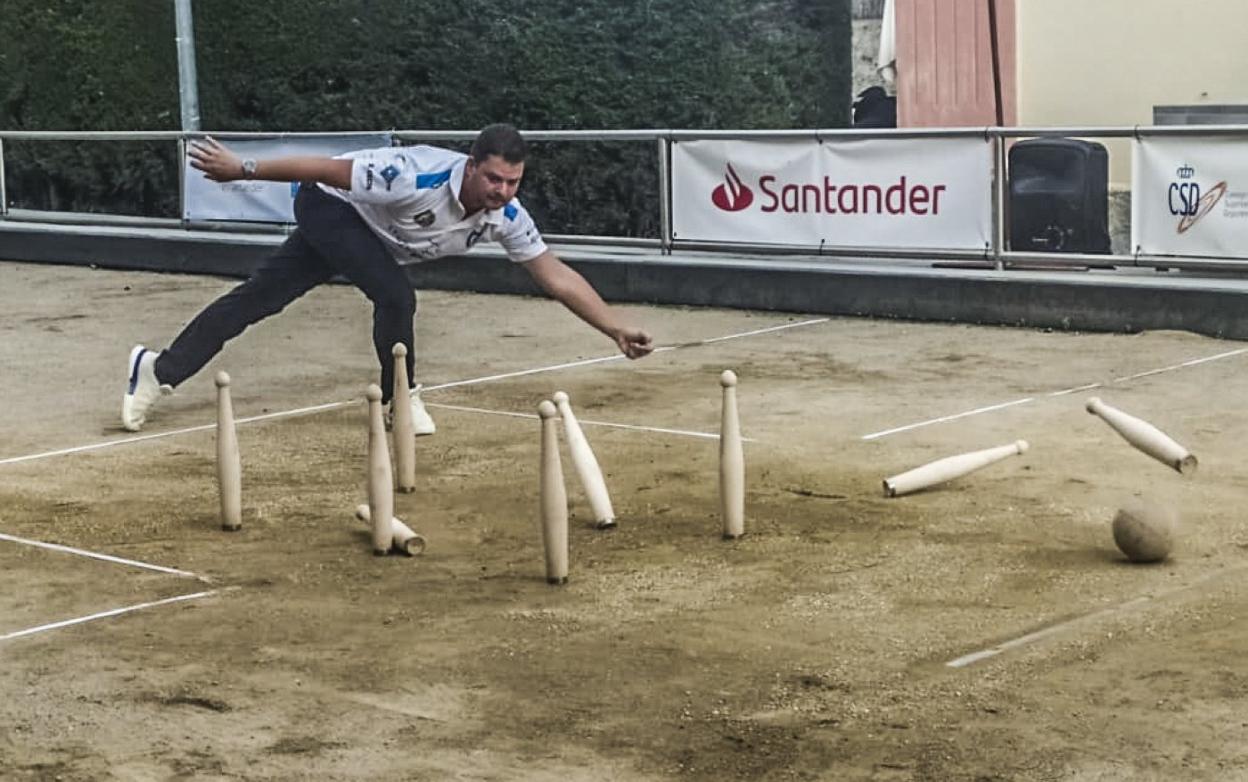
(211, 157)
(635, 343)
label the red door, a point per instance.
(944, 63)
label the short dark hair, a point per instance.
(499, 139)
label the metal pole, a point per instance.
(665, 198)
(996, 62)
(182, 180)
(999, 205)
(188, 90)
(4, 196)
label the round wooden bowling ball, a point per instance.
(1144, 530)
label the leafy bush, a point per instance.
(313, 65)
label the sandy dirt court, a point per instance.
(838, 640)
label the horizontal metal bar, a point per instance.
(1196, 262)
(611, 241)
(825, 134)
(224, 226)
(1067, 259)
(91, 135)
(90, 218)
(1193, 130)
(536, 135)
(650, 134)
(163, 135)
(838, 251)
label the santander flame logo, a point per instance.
(732, 195)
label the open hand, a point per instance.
(216, 161)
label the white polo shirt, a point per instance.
(409, 196)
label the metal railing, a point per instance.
(996, 255)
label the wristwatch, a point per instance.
(249, 168)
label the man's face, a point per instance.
(489, 184)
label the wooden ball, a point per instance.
(1144, 530)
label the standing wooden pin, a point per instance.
(1144, 436)
(731, 461)
(380, 481)
(950, 467)
(586, 464)
(404, 437)
(554, 498)
(229, 467)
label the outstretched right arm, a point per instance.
(221, 165)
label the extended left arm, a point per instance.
(569, 288)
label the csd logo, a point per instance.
(1187, 202)
(732, 195)
(1184, 196)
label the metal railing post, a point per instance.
(182, 179)
(665, 196)
(4, 194)
(998, 201)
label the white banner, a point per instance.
(1190, 196)
(921, 193)
(267, 202)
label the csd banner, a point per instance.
(1190, 196)
(266, 202)
(922, 193)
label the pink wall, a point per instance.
(944, 63)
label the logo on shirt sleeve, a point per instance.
(389, 173)
(424, 219)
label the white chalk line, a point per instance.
(1023, 640)
(942, 419)
(738, 335)
(453, 384)
(96, 555)
(106, 614)
(1087, 387)
(172, 433)
(1191, 363)
(584, 422)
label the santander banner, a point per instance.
(1190, 196)
(912, 193)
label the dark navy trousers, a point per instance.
(330, 238)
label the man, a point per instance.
(362, 215)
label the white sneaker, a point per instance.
(422, 423)
(144, 389)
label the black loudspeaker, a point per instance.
(1059, 196)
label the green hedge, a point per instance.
(304, 65)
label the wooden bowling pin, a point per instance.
(380, 481)
(947, 469)
(554, 498)
(731, 461)
(1144, 436)
(404, 438)
(405, 540)
(229, 467)
(586, 464)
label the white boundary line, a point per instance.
(106, 614)
(172, 433)
(1023, 640)
(94, 555)
(659, 429)
(453, 384)
(942, 419)
(1182, 365)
